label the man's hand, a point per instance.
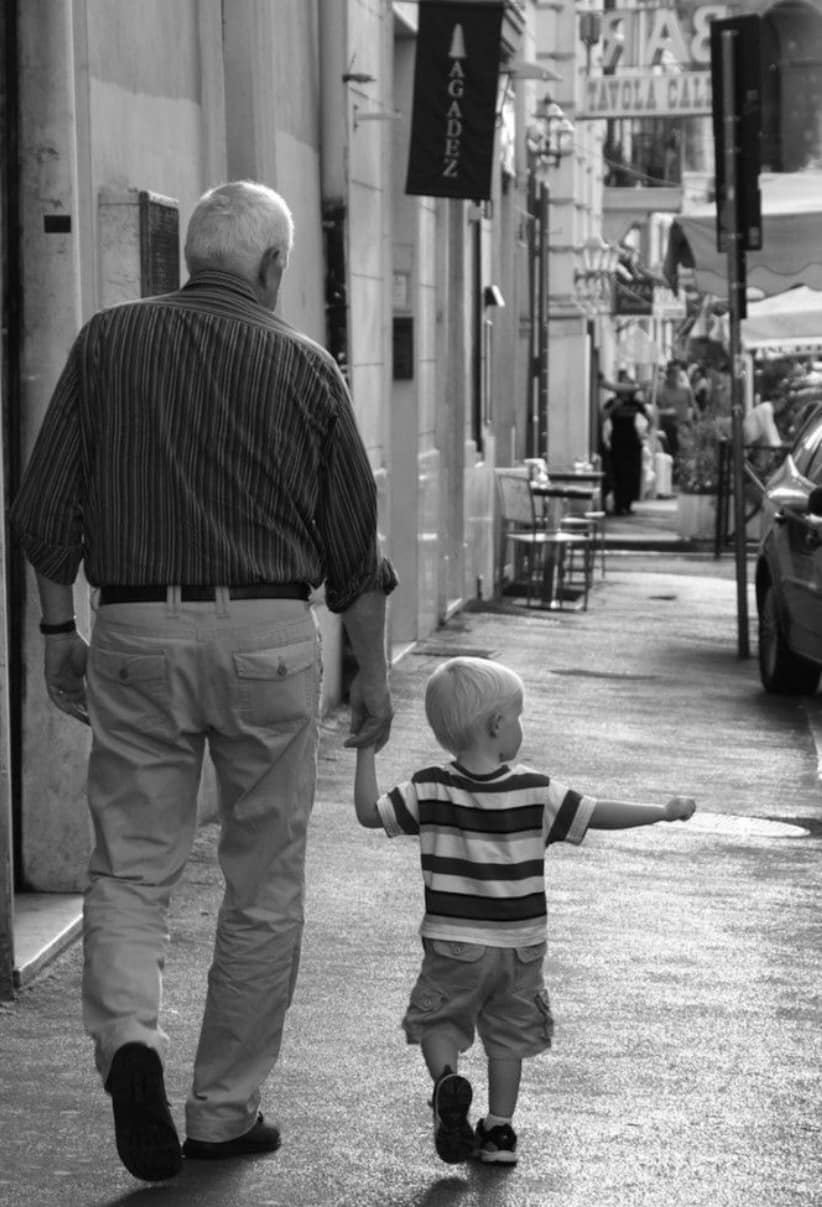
(65, 671)
(371, 711)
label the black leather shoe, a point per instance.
(144, 1130)
(262, 1138)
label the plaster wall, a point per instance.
(54, 832)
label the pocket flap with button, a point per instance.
(468, 953)
(129, 668)
(281, 661)
(527, 955)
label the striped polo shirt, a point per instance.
(195, 438)
(482, 847)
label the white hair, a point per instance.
(234, 224)
(462, 692)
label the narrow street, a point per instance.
(684, 960)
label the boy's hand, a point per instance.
(680, 808)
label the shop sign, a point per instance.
(642, 38)
(453, 120)
(668, 305)
(647, 95)
(655, 63)
(635, 296)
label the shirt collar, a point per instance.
(211, 278)
(500, 771)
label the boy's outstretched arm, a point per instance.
(622, 815)
(366, 789)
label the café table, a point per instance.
(555, 497)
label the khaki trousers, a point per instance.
(164, 679)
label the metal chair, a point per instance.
(538, 550)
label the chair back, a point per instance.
(516, 500)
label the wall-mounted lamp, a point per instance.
(492, 296)
(375, 115)
(590, 31)
(524, 70)
(550, 135)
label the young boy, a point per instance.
(483, 827)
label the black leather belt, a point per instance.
(158, 594)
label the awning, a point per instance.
(791, 237)
(790, 323)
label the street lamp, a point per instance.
(596, 264)
(548, 140)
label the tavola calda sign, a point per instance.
(655, 62)
(455, 93)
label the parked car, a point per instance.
(789, 567)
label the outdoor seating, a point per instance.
(538, 552)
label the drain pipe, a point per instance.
(334, 100)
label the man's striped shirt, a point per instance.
(196, 438)
(482, 847)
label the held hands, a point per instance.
(680, 808)
(65, 672)
(371, 712)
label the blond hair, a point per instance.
(463, 692)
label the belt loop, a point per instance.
(222, 601)
(173, 601)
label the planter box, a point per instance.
(696, 516)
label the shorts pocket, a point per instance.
(425, 999)
(547, 1018)
(529, 955)
(466, 953)
(279, 685)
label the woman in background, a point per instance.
(623, 412)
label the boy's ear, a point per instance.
(493, 724)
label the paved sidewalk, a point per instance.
(684, 960)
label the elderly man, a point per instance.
(201, 459)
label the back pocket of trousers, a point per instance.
(278, 686)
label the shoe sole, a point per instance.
(144, 1132)
(198, 1150)
(453, 1136)
(498, 1158)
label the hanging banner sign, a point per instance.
(455, 96)
(634, 297)
(650, 94)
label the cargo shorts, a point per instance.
(497, 991)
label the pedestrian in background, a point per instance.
(201, 460)
(627, 421)
(675, 408)
(483, 825)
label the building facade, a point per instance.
(460, 355)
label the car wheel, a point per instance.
(779, 668)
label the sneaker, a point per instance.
(453, 1135)
(496, 1145)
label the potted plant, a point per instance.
(698, 462)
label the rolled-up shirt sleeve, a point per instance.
(347, 515)
(47, 513)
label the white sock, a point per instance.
(492, 1121)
